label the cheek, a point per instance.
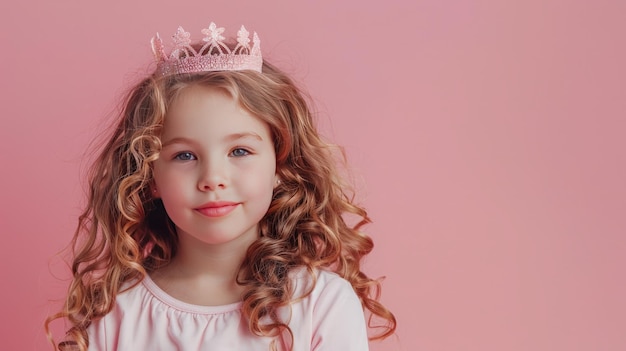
(168, 183)
(259, 183)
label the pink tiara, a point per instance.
(212, 56)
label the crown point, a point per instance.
(243, 38)
(182, 38)
(256, 46)
(157, 48)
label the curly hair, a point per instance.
(124, 233)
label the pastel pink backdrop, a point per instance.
(486, 139)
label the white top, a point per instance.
(147, 318)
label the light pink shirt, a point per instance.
(146, 318)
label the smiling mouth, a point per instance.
(217, 209)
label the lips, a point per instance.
(217, 209)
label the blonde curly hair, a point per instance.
(124, 233)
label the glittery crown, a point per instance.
(214, 55)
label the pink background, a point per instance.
(486, 139)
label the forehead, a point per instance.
(198, 102)
(207, 112)
(196, 95)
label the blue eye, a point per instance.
(239, 152)
(185, 156)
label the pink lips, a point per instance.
(217, 208)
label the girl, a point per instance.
(215, 218)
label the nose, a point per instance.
(213, 175)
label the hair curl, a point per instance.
(124, 233)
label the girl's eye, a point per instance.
(239, 152)
(185, 156)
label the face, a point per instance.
(217, 168)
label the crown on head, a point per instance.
(214, 55)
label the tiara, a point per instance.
(214, 55)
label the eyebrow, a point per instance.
(237, 136)
(228, 138)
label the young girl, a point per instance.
(215, 218)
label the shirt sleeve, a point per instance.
(338, 319)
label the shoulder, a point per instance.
(128, 302)
(319, 284)
(332, 311)
(328, 291)
(128, 299)
(130, 296)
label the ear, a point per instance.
(276, 181)
(154, 191)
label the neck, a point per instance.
(197, 260)
(204, 274)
